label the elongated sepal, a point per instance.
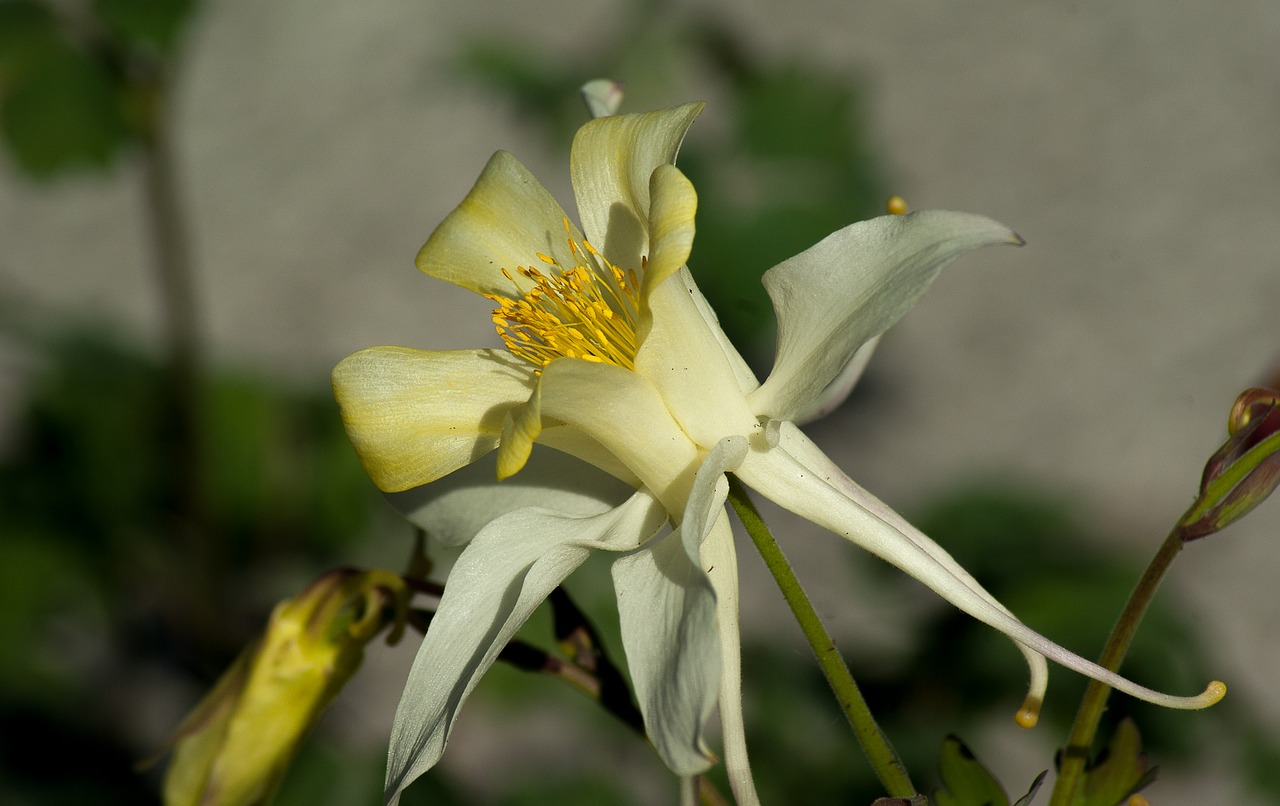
(798, 477)
(850, 287)
(501, 577)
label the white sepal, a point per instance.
(454, 509)
(852, 286)
(854, 514)
(505, 572)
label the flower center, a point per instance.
(585, 312)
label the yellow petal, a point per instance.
(671, 224)
(582, 447)
(521, 427)
(416, 415)
(506, 219)
(610, 164)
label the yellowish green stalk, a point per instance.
(884, 760)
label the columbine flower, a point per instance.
(613, 357)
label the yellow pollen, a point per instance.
(896, 205)
(588, 311)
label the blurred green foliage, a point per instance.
(145, 25)
(103, 586)
(76, 79)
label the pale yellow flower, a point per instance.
(615, 361)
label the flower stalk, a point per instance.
(1075, 756)
(1240, 475)
(179, 309)
(884, 760)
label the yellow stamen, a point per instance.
(587, 311)
(896, 205)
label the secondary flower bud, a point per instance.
(234, 748)
(1244, 471)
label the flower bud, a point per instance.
(235, 747)
(1244, 471)
(602, 96)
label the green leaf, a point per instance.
(818, 106)
(1119, 771)
(46, 588)
(26, 29)
(966, 781)
(152, 24)
(61, 111)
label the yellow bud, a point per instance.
(235, 747)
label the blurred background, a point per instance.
(205, 205)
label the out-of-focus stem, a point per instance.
(178, 308)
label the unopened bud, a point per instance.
(1244, 471)
(1252, 405)
(235, 747)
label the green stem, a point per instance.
(199, 555)
(1085, 727)
(176, 285)
(875, 745)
